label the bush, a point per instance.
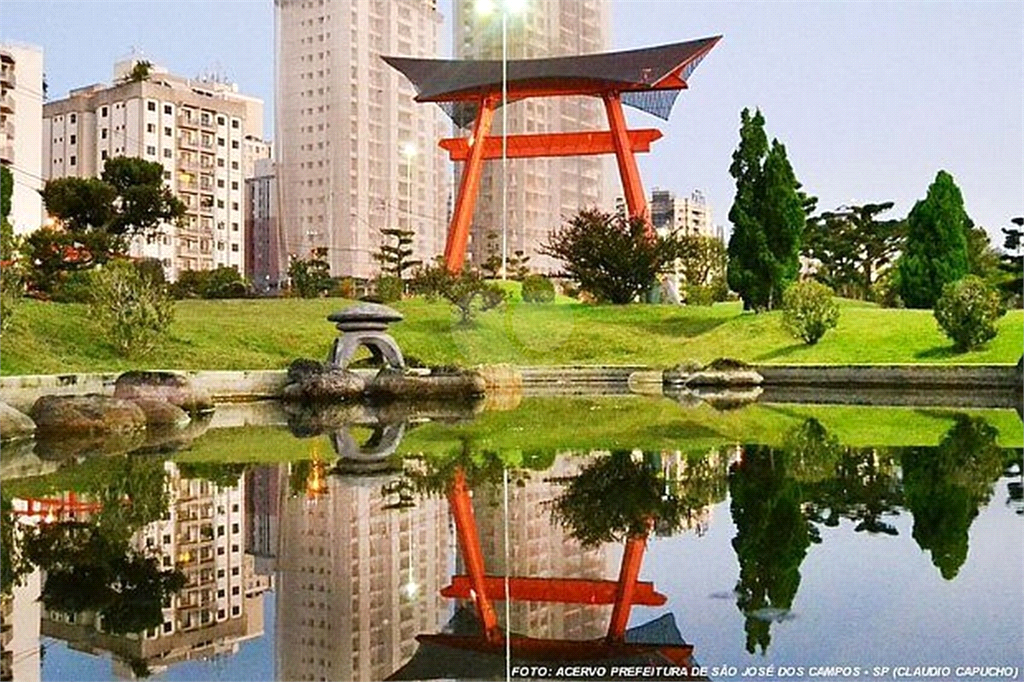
(189, 283)
(224, 282)
(809, 311)
(697, 294)
(967, 312)
(612, 256)
(344, 287)
(389, 288)
(133, 311)
(538, 289)
(461, 291)
(72, 287)
(12, 288)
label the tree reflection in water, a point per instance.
(772, 537)
(780, 494)
(945, 487)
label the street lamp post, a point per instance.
(485, 7)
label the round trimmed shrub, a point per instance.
(538, 289)
(967, 312)
(389, 288)
(808, 311)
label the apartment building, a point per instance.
(21, 118)
(199, 130)
(355, 154)
(357, 581)
(689, 215)
(266, 260)
(542, 192)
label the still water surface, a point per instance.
(638, 532)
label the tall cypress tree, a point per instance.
(936, 247)
(748, 248)
(768, 218)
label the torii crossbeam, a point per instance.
(470, 91)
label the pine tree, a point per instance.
(395, 259)
(768, 217)
(936, 249)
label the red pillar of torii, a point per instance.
(475, 85)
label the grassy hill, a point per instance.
(49, 338)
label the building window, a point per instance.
(167, 131)
(220, 120)
(73, 118)
(234, 144)
(220, 203)
(234, 205)
(103, 134)
(234, 183)
(234, 227)
(103, 111)
(72, 161)
(220, 183)
(234, 590)
(168, 626)
(103, 155)
(220, 141)
(234, 247)
(168, 153)
(234, 123)
(220, 163)
(234, 570)
(220, 594)
(167, 109)
(234, 527)
(150, 127)
(234, 165)
(151, 106)
(73, 139)
(150, 150)
(235, 611)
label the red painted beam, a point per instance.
(530, 648)
(558, 590)
(632, 187)
(551, 144)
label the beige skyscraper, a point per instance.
(355, 154)
(542, 192)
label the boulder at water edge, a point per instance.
(14, 424)
(165, 386)
(86, 414)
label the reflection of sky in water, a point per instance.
(863, 600)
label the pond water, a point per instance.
(640, 539)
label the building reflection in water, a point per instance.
(201, 535)
(356, 581)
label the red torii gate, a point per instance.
(471, 91)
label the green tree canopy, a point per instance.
(852, 246)
(610, 255)
(100, 216)
(936, 249)
(768, 216)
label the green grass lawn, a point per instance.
(49, 338)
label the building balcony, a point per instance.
(7, 103)
(7, 153)
(187, 142)
(7, 78)
(189, 165)
(7, 128)
(185, 121)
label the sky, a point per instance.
(871, 99)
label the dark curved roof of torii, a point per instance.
(663, 69)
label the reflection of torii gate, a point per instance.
(648, 79)
(482, 590)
